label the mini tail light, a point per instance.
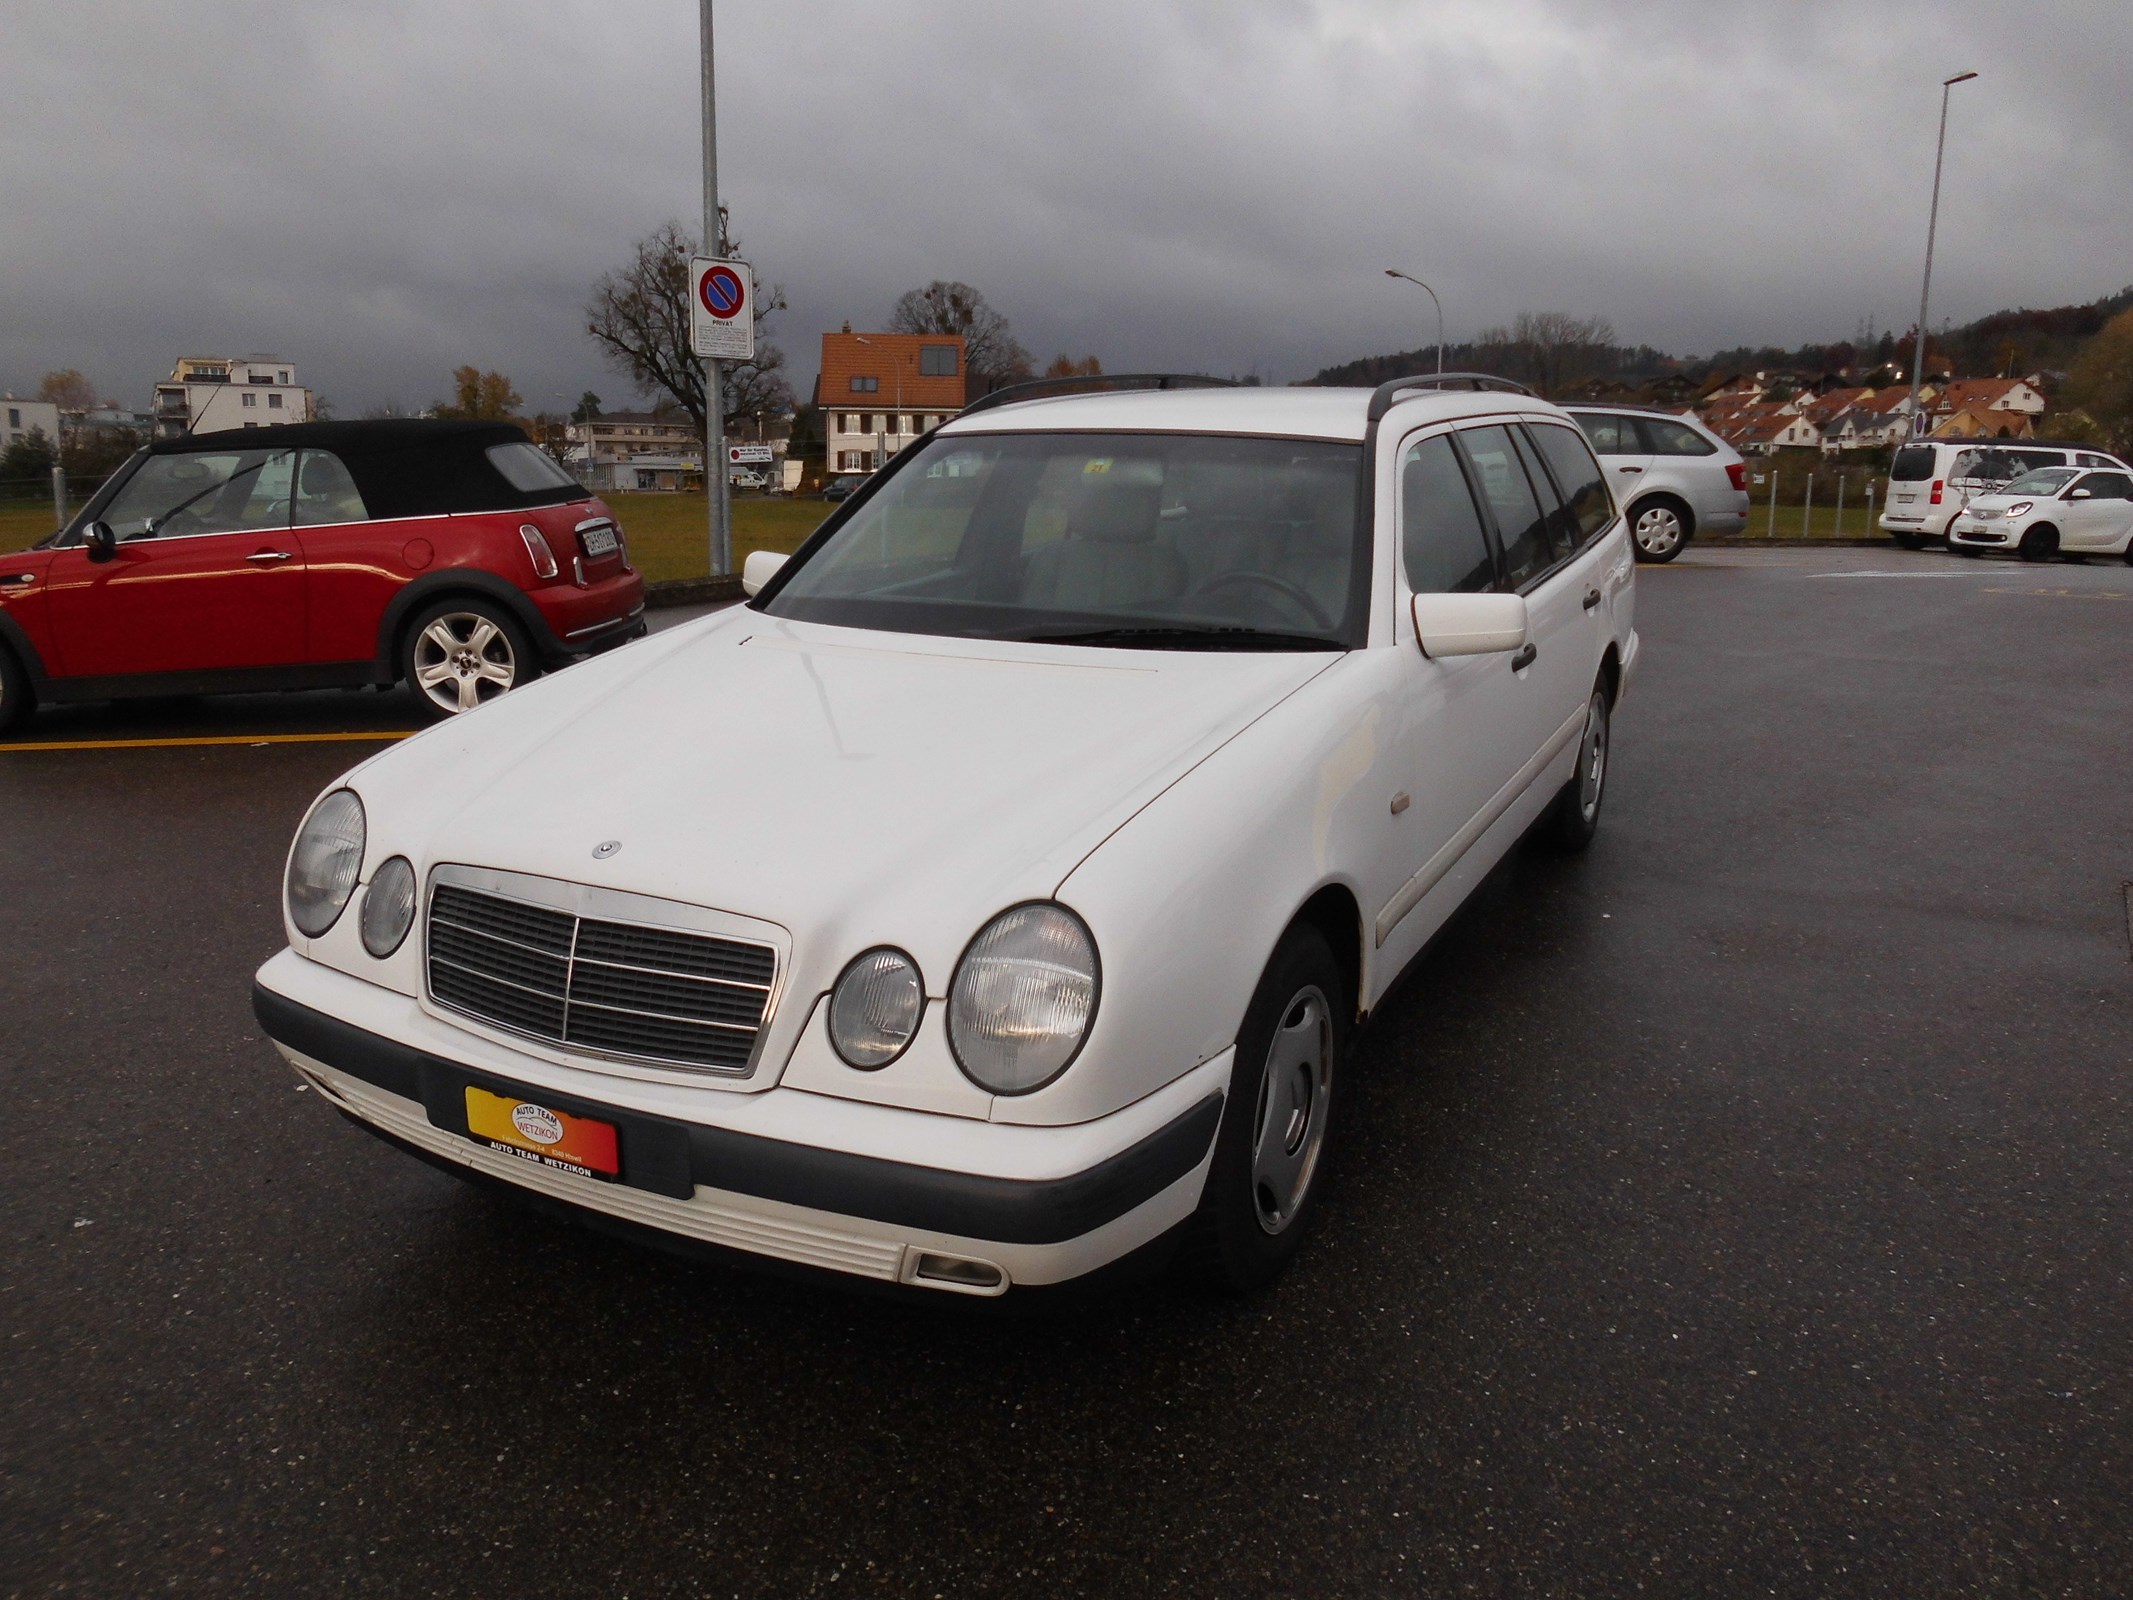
(537, 548)
(1737, 474)
(1934, 498)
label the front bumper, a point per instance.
(1986, 535)
(1042, 1205)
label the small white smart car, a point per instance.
(2051, 511)
(991, 899)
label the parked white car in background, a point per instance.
(1674, 477)
(2052, 511)
(1932, 480)
(992, 898)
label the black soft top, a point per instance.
(402, 466)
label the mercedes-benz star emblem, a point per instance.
(606, 848)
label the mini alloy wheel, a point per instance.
(1658, 531)
(462, 655)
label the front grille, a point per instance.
(657, 993)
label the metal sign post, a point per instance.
(714, 382)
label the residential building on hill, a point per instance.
(209, 394)
(879, 391)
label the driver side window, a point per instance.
(1442, 543)
(187, 495)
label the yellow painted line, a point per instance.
(220, 738)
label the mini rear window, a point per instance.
(1913, 464)
(527, 469)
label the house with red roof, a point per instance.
(877, 392)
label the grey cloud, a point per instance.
(382, 191)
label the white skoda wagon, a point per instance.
(993, 898)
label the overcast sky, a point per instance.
(383, 191)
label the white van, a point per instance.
(1931, 480)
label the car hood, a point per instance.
(852, 787)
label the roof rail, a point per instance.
(1016, 392)
(1386, 394)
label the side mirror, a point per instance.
(98, 542)
(1469, 624)
(760, 567)
(2080, 494)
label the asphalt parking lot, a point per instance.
(1742, 1209)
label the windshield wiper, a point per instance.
(1189, 636)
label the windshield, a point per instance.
(2045, 480)
(1162, 541)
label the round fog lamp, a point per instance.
(1023, 998)
(874, 1009)
(388, 907)
(325, 862)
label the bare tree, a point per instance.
(1065, 366)
(639, 314)
(1550, 348)
(990, 349)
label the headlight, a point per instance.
(875, 1007)
(388, 907)
(2021, 508)
(324, 864)
(1023, 998)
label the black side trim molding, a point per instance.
(669, 1157)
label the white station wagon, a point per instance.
(994, 897)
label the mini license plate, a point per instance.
(534, 1133)
(598, 541)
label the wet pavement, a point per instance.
(1741, 1209)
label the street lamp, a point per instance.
(1918, 362)
(1395, 272)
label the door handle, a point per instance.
(15, 580)
(268, 555)
(1629, 469)
(1592, 598)
(1524, 659)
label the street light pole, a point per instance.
(1918, 361)
(714, 383)
(1394, 272)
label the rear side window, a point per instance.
(2108, 485)
(2030, 460)
(1578, 476)
(1676, 438)
(1913, 464)
(1511, 500)
(525, 467)
(1441, 538)
(325, 493)
(1611, 435)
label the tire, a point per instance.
(1570, 822)
(1269, 1162)
(17, 698)
(2040, 543)
(460, 654)
(1909, 541)
(1658, 528)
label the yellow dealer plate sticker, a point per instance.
(548, 1138)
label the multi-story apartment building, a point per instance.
(636, 450)
(21, 418)
(879, 391)
(207, 394)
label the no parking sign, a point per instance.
(722, 309)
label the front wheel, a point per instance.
(1269, 1152)
(462, 653)
(1658, 529)
(2040, 543)
(16, 696)
(1573, 819)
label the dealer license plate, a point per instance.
(546, 1138)
(598, 541)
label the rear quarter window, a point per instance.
(1676, 438)
(527, 468)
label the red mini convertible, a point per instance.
(454, 556)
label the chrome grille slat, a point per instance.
(692, 1000)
